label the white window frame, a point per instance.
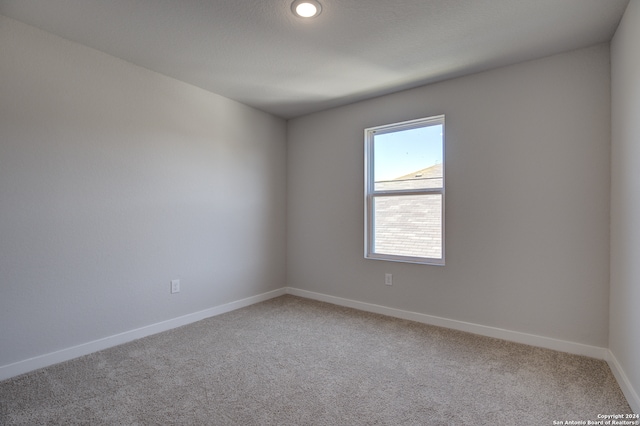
(371, 193)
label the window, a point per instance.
(404, 191)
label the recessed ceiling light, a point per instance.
(306, 8)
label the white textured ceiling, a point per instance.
(258, 53)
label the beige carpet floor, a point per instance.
(292, 361)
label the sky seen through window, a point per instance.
(400, 153)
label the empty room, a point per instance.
(321, 212)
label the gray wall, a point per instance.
(624, 334)
(115, 180)
(527, 200)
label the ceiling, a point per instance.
(258, 53)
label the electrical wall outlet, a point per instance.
(175, 286)
(388, 279)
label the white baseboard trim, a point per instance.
(21, 367)
(483, 330)
(25, 366)
(624, 382)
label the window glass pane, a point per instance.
(408, 159)
(408, 225)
